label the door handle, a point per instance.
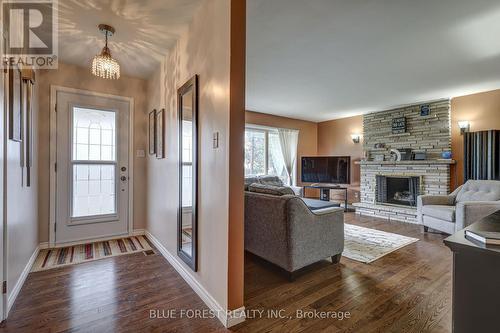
(123, 178)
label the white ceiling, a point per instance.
(325, 59)
(145, 30)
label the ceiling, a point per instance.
(145, 30)
(326, 59)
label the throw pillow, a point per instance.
(270, 189)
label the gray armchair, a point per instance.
(282, 230)
(466, 205)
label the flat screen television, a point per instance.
(326, 169)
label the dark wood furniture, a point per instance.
(325, 192)
(476, 274)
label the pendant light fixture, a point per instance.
(103, 65)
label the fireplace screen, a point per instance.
(398, 190)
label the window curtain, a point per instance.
(278, 164)
(289, 140)
(481, 155)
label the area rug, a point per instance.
(64, 256)
(367, 245)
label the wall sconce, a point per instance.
(464, 126)
(356, 138)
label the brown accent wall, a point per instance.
(483, 112)
(308, 132)
(235, 278)
(334, 138)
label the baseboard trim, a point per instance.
(236, 317)
(20, 282)
(227, 318)
(135, 232)
(138, 232)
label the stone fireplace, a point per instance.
(389, 189)
(433, 178)
(398, 190)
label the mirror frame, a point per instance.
(190, 85)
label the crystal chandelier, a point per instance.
(103, 65)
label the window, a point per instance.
(93, 162)
(255, 152)
(263, 153)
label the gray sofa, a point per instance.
(467, 204)
(282, 230)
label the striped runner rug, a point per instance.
(64, 256)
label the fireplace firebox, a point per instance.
(398, 190)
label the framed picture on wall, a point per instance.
(152, 132)
(28, 82)
(15, 107)
(160, 149)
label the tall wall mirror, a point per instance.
(188, 172)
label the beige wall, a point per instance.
(483, 112)
(204, 50)
(21, 205)
(308, 133)
(80, 78)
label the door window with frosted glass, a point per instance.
(93, 162)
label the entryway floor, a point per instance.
(108, 295)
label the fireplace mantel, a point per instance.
(412, 162)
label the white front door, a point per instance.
(92, 179)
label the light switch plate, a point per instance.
(216, 140)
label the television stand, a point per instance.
(324, 190)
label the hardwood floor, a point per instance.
(107, 295)
(406, 291)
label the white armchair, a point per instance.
(467, 204)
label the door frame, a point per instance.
(3, 183)
(54, 89)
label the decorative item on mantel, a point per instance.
(419, 155)
(399, 125)
(395, 155)
(365, 155)
(446, 155)
(425, 110)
